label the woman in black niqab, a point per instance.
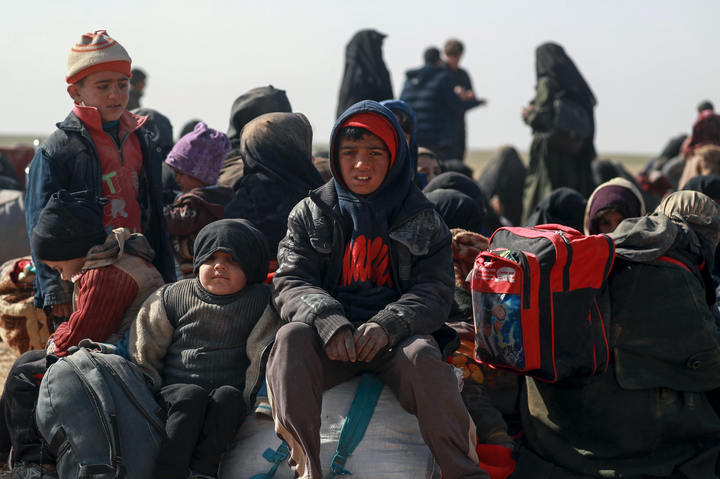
(553, 62)
(366, 76)
(553, 162)
(278, 173)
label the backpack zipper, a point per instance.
(566, 268)
(526, 280)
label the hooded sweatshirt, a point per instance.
(366, 285)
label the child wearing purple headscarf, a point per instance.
(196, 159)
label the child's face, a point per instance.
(107, 91)
(187, 182)
(222, 275)
(68, 268)
(428, 165)
(609, 221)
(364, 163)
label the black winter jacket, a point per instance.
(430, 91)
(310, 262)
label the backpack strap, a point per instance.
(668, 259)
(351, 434)
(93, 381)
(356, 422)
(275, 457)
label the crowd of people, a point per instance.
(194, 258)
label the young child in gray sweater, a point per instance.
(202, 341)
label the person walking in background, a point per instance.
(366, 76)
(430, 92)
(137, 85)
(561, 117)
(463, 87)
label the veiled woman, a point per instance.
(278, 173)
(559, 156)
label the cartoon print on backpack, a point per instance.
(497, 318)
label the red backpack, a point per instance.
(535, 302)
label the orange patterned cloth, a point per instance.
(23, 327)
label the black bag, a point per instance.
(572, 126)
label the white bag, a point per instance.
(392, 446)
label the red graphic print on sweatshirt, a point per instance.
(367, 260)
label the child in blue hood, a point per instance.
(364, 279)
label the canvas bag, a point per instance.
(391, 446)
(540, 302)
(97, 415)
(23, 327)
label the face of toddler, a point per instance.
(221, 274)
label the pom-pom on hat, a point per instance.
(200, 153)
(68, 226)
(96, 52)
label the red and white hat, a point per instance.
(96, 52)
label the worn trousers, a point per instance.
(22, 388)
(299, 371)
(199, 427)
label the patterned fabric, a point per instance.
(22, 326)
(466, 245)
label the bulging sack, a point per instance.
(99, 418)
(540, 302)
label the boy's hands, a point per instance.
(341, 346)
(369, 338)
(361, 345)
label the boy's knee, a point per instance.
(226, 394)
(295, 334)
(421, 359)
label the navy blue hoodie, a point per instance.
(366, 285)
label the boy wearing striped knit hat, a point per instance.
(102, 148)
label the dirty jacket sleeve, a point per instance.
(297, 289)
(46, 177)
(150, 337)
(425, 305)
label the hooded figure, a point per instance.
(276, 150)
(245, 108)
(241, 240)
(504, 177)
(367, 255)
(551, 166)
(366, 77)
(618, 195)
(706, 131)
(563, 206)
(648, 415)
(457, 210)
(396, 106)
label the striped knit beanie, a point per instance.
(96, 52)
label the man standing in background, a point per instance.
(137, 85)
(463, 87)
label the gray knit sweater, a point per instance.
(203, 341)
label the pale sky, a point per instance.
(649, 62)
